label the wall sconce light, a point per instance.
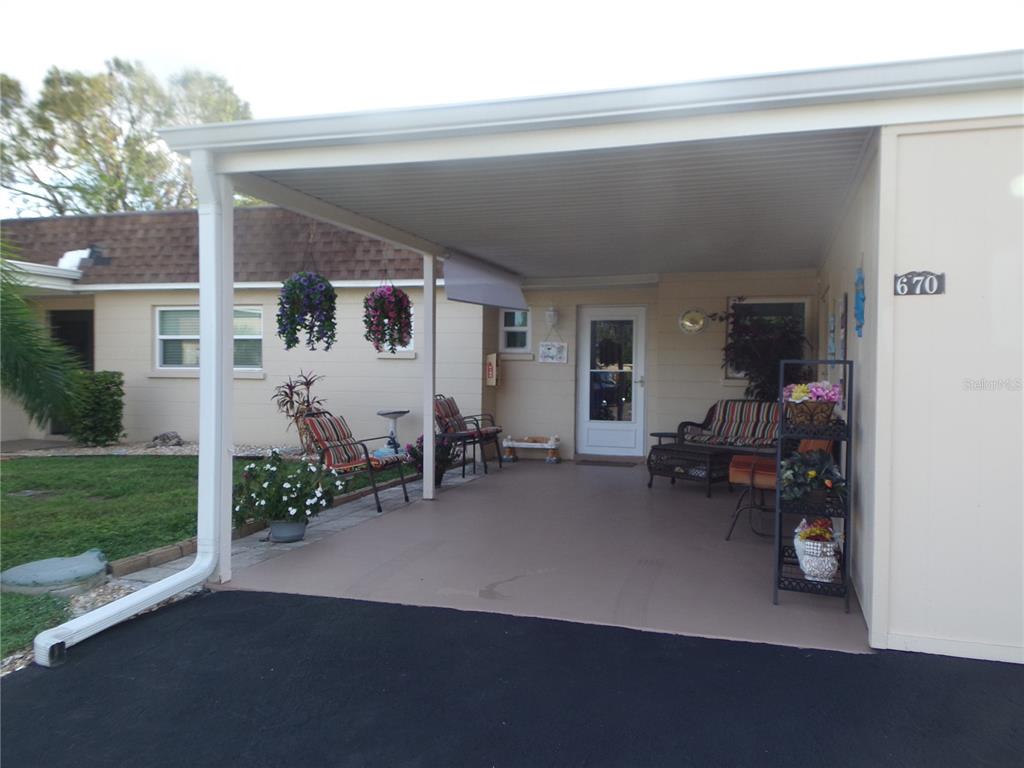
(551, 315)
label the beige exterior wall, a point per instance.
(357, 381)
(856, 246)
(951, 202)
(684, 371)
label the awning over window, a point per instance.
(475, 282)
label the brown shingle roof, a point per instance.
(160, 247)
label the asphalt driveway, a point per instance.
(258, 679)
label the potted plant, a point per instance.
(755, 344)
(307, 303)
(446, 454)
(817, 548)
(285, 494)
(387, 317)
(294, 398)
(811, 404)
(812, 477)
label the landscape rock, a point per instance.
(165, 439)
(61, 576)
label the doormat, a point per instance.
(603, 463)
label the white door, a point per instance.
(610, 381)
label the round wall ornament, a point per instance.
(693, 321)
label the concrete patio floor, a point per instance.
(582, 543)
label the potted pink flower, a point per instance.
(811, 404)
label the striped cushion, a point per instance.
(338, 458)
(745, 419)
(327, 429)
(332, 435)
(448, 416)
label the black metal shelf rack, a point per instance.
(788, 576)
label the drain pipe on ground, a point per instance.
(51, 646)
(216, 379)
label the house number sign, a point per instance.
(919, 284)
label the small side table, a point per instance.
(393, 415)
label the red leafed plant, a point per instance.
(387, 317)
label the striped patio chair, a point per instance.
(475, 430)
(340, 451)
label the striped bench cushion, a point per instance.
(338, 459)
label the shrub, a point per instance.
(98, 411)
(273, 489)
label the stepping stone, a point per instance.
(61, 576)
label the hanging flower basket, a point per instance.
(307, 303)
(387, 317)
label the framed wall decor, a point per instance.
(553, 352)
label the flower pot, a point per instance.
(818, 497)
(284, 531)
(819, 560)
(810, 413)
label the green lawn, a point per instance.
(122, 505)
(22, 617)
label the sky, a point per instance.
(304, 57)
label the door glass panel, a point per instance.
(611, 370)
(611, 396)
(611, 345)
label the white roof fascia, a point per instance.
(961, 74)
(45, 276)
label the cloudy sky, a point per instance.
(304, 57)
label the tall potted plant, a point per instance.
(295, 399)
(755, 344)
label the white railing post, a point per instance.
(426, 319)
(216, 364)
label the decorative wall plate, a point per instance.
(693, 321)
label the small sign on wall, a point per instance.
(920, 283)
(491, 369)
(553, 352)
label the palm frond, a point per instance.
(35, 370)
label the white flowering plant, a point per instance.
(275, 489)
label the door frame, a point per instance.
(585, 313)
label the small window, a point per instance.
(515, 330)
(769, 310)
(177, 337)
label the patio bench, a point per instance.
(475, 430)
(339, 450)
(734, 424)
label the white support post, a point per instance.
(216, 364)
(427, 336)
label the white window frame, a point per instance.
(502, 328)
(158, 338)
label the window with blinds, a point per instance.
(177, 337)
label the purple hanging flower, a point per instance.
(388, 318)
(307, 302)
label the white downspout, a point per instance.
(216, 298)
(426, 317)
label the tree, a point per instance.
(35, 369)
(89, 143)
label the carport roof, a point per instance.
(745, 173)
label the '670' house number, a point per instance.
(919, 284)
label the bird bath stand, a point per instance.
(393, 415)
